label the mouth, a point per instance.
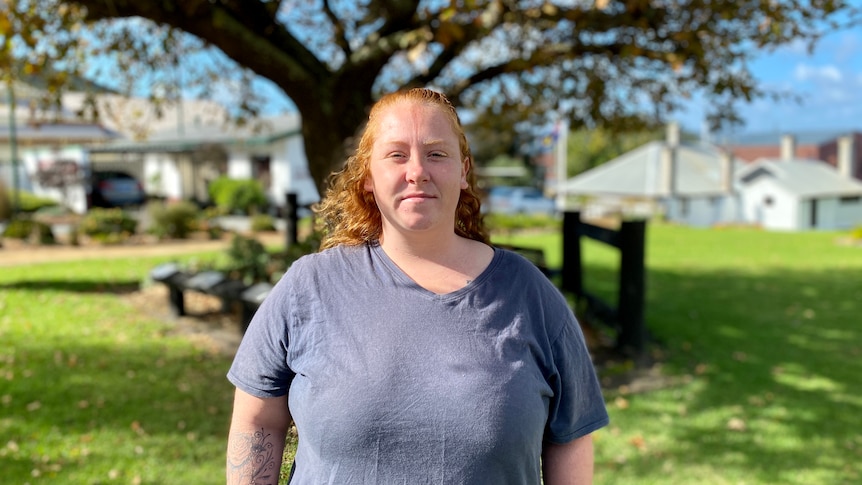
(417, 196)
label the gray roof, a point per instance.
(773, 138)
(638, 173)
(70, 132)
(804, 178)
(262, 131)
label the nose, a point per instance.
(417, 172)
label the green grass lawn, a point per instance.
(762, 333)
(91, 392)
(759, 334)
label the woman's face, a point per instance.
(416, 169)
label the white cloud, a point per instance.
(829, 73)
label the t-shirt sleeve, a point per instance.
(577, 407)
(260, 366)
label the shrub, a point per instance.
(108, 225)
(30, 230)
(208, 223)
(248, 260)
(237, 196)
(32, 203)
(19, 229)
(262, 222)
(176, 220)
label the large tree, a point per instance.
(617, 63)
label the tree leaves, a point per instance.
(619, 64)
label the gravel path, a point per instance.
(16, 253)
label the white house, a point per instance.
(179, 163)
(698, 185)
(796, 195)
(174, 155)
(687, 183)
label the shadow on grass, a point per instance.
(75, 286)
(776, 357)
(82, 410)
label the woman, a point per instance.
(409, 350)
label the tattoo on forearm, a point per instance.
(251, 459)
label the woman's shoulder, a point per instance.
(335, 257)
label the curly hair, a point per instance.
(349, 214)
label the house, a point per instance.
(800, 194)
(175, 154)
(821, 145)
(49, 152)
(179, 163)
(689, 183)
(702, 185)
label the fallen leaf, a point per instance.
(638, 442)
(736, 424)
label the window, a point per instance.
(261, 171)
(683, 207)
(768, 201)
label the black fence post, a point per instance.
(632, 286)
(291, 219)
(572, 269)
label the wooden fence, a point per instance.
(627, 315)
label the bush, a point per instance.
(32, 203)
(19, 229)
(30, 230)
(262, 223)
(208, 223)
(237, 196)
(176, 220)
(108, 225)
(249, 260)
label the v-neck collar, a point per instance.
(380, 255)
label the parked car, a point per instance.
(518, 200)
(113, 188)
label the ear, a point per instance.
(465, 169)
(369, 184)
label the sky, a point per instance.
(829, 80)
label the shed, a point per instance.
(799, 194)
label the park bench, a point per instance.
(230, 292)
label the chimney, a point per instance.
(668, 160)
(726, 167)
(845, 156)
(788, 148)
(673, 134)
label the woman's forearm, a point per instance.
(254, 456)
(256, 440)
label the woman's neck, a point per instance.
(440, 265)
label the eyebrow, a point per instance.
(430, 142)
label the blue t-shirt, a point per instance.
(391, 383)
